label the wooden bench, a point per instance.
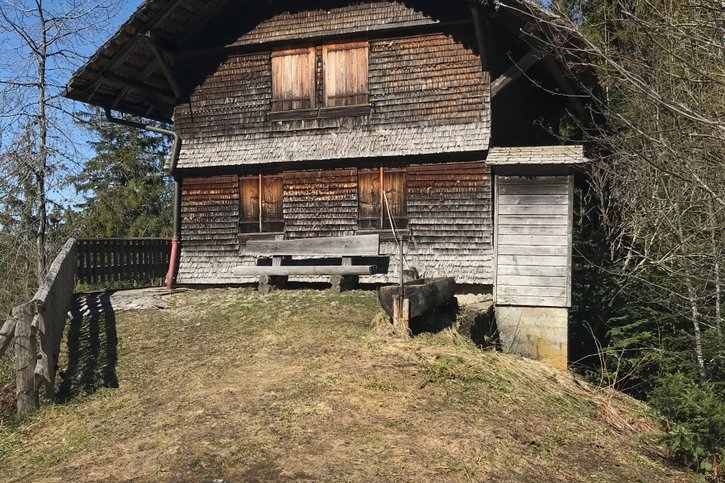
(342, 277)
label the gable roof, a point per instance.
(131, 72)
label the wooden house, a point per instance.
(342, 121)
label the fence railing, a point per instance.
(41, 320)
(35, 328)
(103, 260)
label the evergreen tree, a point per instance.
(124, 187)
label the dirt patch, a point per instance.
(296, 385)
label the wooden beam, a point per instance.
(117, 80)
(153, 99)
(349, 246)
(287, 270)
(514, 72)
(165, 69)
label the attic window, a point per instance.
(293, 79)
(340, 71)
(345, 69)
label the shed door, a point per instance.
(532, 241)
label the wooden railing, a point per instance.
(104, 260)
(36, 328)
(41, 320)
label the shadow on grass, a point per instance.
(92, 345)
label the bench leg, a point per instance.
(343, 283)
(267, 283)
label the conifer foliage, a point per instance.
(126, 193)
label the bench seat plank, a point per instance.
(287, 270)
(340, 246)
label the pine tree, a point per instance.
(124, 187)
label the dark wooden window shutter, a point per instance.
(345, 69)
(261, 199)
(249, 200)
(272, 195)
(369, 198)
(394, 183)
(374, 202)
(293, 79)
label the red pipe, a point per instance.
(173, 262)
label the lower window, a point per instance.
(261, 204)
(381, 199)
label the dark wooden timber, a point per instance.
(514, 72)
(424, 294)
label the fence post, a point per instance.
(25, 359)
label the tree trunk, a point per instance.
(42, 163)
(695, 317)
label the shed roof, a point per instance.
(536, 155)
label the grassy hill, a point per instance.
(232, 385)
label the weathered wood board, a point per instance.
(287, 270)
(533, 233)
(349, 246)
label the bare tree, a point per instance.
(659, 163)
(42, 43)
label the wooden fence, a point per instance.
(41, 320)
(36, 328)
(103, 260)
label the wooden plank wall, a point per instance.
(209, 227)
(533, 241)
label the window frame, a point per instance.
(260, 225)
(381, 222)
(319, 81)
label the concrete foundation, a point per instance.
(535, 332)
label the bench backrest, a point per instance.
(337, 246)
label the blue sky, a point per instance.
(17, 64)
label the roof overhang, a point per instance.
(133, 72)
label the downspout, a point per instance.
(174, 158)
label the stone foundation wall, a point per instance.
(535, 332)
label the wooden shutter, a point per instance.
(249, 199)
(394, 182)
(369, 214)
(293, 79)
(345, 74)
(272, 194)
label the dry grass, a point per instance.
(306, 385)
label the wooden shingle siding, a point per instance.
(448, 207)
(533, 241)
(209, 227)
(234, 100)
(428, 78)
(320, 203)
(450, 214)
(357, 17)
(426, 93)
